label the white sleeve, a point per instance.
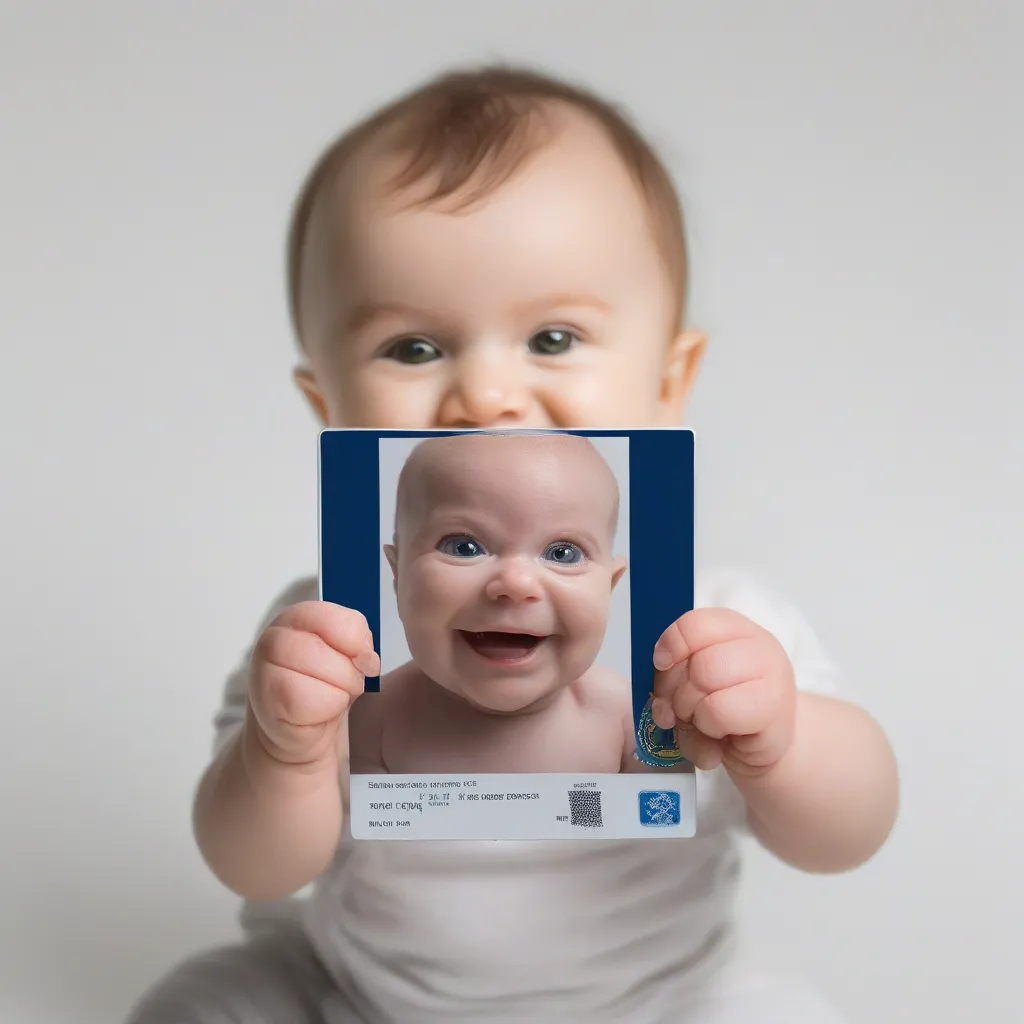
(236, 693)
(814, 670)
(719, 802)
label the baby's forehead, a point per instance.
(465, 466)
(453, 460)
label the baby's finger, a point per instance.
(765, 747)
(742, 710)
(716, 668)
(703, 751)
(343, 629)
(664, 689)
(727, 664)
(662, 714)
(367, 663)
(290, 698)
(698, 629)
(308, 654)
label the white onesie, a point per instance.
(433, 933)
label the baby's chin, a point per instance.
(504, 698)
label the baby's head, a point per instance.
(494, 249)
(503, 563)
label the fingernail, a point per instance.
(368, 663)
(662, 659)
(662, 714)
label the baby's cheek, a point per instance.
(377, 400)
(609, 395)
(586, 618)
(418, 613)
(426, 643)
(427, 590)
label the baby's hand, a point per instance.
(308, 666)
(726, 686)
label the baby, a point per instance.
(500, 249)
(504, 569)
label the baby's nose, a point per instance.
(486, 389)
(514, 580)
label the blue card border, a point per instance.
(661, 534)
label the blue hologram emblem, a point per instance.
(659, 808)
(656, 746)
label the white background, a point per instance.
(847, 172)
(394, 650)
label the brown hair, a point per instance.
(480, 124)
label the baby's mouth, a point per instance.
(502, 647)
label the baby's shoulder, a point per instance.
(396, 685)
(374, 713)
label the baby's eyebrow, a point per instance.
(555, 299)
(586, 537)
(365, 313)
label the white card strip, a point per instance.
(523, 807)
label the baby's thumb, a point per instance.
(368, 663)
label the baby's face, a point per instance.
(503, 565)
(545, 304)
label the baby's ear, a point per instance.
(679, 371)
(391, 554)
(304, 378)
(618, 568)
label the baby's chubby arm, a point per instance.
(817, 774)
(268, 811)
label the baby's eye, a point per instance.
(461, 547)
(552, 342)
(564, 553)
(413, 350)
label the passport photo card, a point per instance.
(515, 583)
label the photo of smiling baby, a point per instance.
(503, 564)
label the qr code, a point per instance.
(585, 808)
